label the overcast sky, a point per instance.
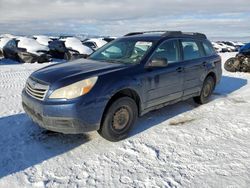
(216, 18)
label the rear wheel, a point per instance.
(207, 90)
(119, 119)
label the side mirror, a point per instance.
(158, 62)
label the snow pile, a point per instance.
(76, 44)
(42, 39)
(31, 45)
(182, 145)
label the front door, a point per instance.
(164, 84)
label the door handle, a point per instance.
(179, 69)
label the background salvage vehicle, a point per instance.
(26, 50)
(3, 42)
(68, 48)
(96, 43)
(78, 50)
(126, 78)
(58, 50)
(10, 50)
(241, 62)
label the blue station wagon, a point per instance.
(124, 79)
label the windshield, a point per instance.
(124, 51)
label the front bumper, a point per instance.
(68, 118)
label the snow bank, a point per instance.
(31, 45)
(76, 44)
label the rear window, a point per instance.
(190, 50)
(208, 48)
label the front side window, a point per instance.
(190, 50)
(126, 51)
(209, 50)
(167, 50)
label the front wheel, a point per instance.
(206, 92)
(119, 119)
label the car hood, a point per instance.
(82, 68)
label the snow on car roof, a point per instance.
(42, 39)
(99, 41)
(76, 44)
(31, 45)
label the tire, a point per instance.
(206, 92)
(1, 53)
(119, 119)
(67, 56)
(230, 65)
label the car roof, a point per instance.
(145, 37)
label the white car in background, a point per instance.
(231, 44)
(26, 50)
(218, 47)
(225, 46)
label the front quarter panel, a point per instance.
(111, 84)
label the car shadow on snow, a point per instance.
(23, 144)
(4, 61)
(227, 86)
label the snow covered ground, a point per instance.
(182, 145)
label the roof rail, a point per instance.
(180, 34)
(171, 33)
(143, 32)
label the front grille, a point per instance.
(36, 89)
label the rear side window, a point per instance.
(209, 50)
(190, 50)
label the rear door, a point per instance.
(194, 66)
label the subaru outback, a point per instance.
(124, 79)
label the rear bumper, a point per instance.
(64, 118)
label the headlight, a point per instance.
(74, 90)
